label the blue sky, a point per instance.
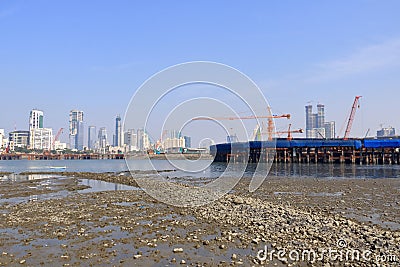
(92, 55)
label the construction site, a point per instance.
(318, 149)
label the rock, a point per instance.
(234, 257)
(183, 262)
(22, 261)
(137, 256)
(178, 250)
(222, 246)
(206, 242)
(238, 201)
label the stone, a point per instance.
(238, 201)
(178, 250)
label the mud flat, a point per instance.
(128, 228)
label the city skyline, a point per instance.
(124, 140)
(296, 53)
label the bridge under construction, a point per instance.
(353, 151)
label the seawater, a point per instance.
(213, 171)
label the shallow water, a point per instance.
(212, 171)
(55, 182)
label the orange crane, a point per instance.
(270, 128)
(290, 132)
(351, 118)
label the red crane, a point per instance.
(57, 136)
(351, 118)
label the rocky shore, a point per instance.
(287, 222)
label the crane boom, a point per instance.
(351, 118)
(290, 132)
(270, 121)
(57, 136)
(243, 118)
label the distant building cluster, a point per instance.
(39, 138)
(316, 127)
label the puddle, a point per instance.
(126, 204)
(99, 186)
(288, 193)
(28, 177)
(325, 194)
(375, 218)
(32, 198)
(55, 183)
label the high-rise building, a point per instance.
(118, 139)
(80, 135)
(188, 141)
(143, 140)
(140, 134)
(330, 129)
(174, 143)
(92, 137)
(18, 139)
(76, 131)
(41, 138)
(130, 140)
(146, 141)
(35, 119)
(320, 116)
(316, 127)
(175, 134)
(3, 140)
(309, 119)
(102, 136)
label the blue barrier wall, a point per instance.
(306, 143)
(382, 143)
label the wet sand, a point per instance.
(129, 228)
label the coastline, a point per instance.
(125, 228)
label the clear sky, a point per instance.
(92, 55)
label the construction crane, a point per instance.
(56, 137)
(270, 128)
(351, 117)
(290, 132)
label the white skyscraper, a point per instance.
(39, 137)
(35, 119)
